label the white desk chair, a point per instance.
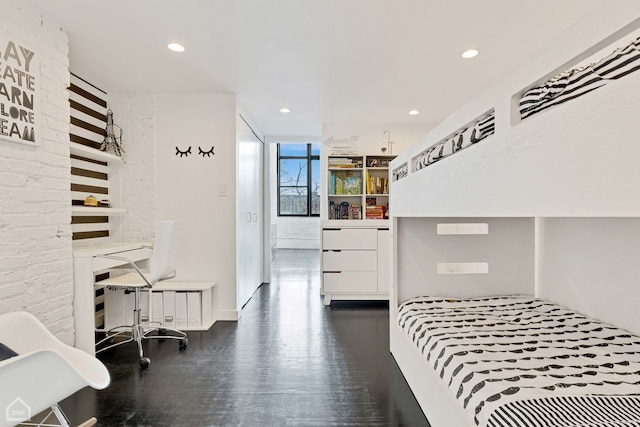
(44, 371)
(162, 267)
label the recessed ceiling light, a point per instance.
(285, 110)
(176, 47)
(414, 112)
(469, 53)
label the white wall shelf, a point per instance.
(91, 153)
(92, 211)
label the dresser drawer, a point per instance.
(350, 281)
(350, 238)
(349, 260)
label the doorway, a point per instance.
(294, 189)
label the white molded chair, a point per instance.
(162, 267)
(44, 371)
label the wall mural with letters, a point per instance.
(19, 95)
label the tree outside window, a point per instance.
(298, 179)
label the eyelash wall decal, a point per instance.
(183, 153)
(206, 153)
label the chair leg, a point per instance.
(62, 418)
(141, 331)
(136, 322)
(42, 419)
(90, 422)
(179, 335)
(110, 337)
(138, 330)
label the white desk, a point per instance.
(85, 266)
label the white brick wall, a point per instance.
(134, 113)
(36, 270)
(297, 233)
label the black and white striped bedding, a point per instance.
(520, 361)
(483, 128)
(463, 138)
(581, 80)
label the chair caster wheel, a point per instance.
(145, 362)
(184, 342)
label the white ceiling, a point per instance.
(330, 61)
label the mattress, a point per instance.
(521, 361)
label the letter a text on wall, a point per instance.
(19, 101)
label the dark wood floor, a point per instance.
(289, 361)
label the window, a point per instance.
(298, 179)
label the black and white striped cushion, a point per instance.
(621, 62)
(460, 140)
(401, 171)
(448, 147)
(483, 128)
(581, 80)
(436, 153)
(562, 88)
(421, 160)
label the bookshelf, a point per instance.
(358, 187)
(355, 235)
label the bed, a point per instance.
(512, 360)
(545, 208)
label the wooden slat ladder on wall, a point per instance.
(88, 177)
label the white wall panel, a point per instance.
(508, 249)
(186, 188)
(592, 265)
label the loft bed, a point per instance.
(545, 209)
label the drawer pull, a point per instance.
(333, 272)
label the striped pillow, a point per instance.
(564, 87)
(581, 80)
(459, 140)
(436, 153)
(483, 128)
(621, 62)
(448, 148)
(421, 160)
